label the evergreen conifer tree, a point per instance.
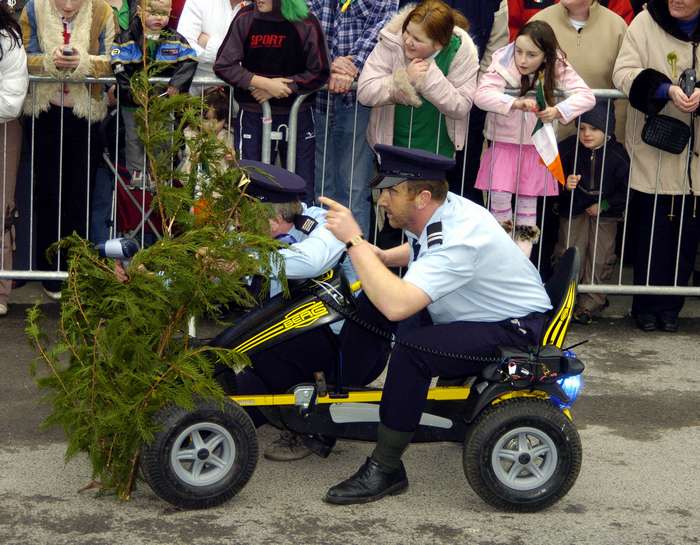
(122, 351)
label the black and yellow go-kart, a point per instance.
(521, 449)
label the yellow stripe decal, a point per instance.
(325, 276)
(561, 318)
(520, 393)
(300, 317)
(565, 317)
(441, 393)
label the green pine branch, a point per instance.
(122, 352)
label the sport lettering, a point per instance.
(267, 40)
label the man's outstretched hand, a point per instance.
(340, 221)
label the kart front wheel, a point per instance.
(522, 455)
(201, 458)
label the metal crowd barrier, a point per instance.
(268, 135)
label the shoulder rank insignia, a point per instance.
(434, 231)
(305, 224)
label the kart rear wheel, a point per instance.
(522, 455)
(201, 458)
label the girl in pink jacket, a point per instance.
(507, 167)
(420, 79)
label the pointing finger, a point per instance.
(330, 203)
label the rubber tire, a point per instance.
(155, 458)
(498, 420)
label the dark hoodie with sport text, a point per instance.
(266, 44)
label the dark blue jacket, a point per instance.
(173, 52)
(612, 180)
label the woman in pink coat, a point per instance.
(508, 167)
(420, 79)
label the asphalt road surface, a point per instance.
(639, 420)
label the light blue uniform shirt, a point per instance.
(471, 269)
(313, 253)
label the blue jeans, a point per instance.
(341, 176)
(101, 205)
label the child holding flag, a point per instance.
(522, 158)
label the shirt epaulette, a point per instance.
(305, 224)
(434, 232)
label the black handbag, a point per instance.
(666, 133)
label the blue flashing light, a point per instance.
(572, 387)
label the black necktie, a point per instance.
(416, 248)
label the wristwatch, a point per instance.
(354, 241)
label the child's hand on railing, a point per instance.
(277, 87)
(260, 95)
(112, 95)
(572, 181)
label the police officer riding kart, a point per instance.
(470, 310)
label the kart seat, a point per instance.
(561, 288)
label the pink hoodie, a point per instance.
(384, 82)
(504, 124)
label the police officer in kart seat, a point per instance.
(313, 249)
(471, 286)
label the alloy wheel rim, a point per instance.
(203, 454)
(524, 458)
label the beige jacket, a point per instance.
(643, 64)
(92, 37)
(592, 51)
(498, 37)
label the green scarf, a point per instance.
(418, 127)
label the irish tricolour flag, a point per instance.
(544, 139)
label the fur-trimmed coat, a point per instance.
(384, 82)
(92, 35)
(654, 52)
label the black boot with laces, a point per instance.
(371, 482)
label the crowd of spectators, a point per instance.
(437, 75)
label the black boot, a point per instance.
(371, 482)
(668, 321)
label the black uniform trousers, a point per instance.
(364, 355)
(411, 370)
(665, 248)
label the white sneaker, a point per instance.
(53, 295)
(3, 309)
